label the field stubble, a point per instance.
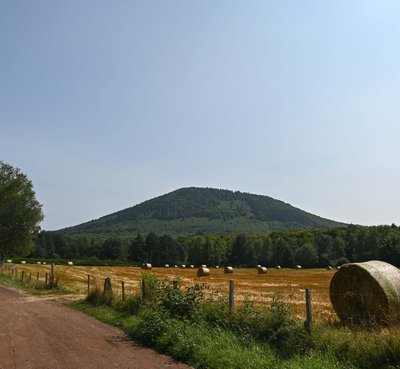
(286, 284)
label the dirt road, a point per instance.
(38, 334)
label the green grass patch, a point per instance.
(201, 344)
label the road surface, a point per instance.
(40, 334)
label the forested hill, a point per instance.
(202, 210)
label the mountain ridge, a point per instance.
(191, 210)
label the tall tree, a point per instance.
(20, 212)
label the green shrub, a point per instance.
(130, 305)
(181, 303)
(152, 325)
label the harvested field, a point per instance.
(287, 284)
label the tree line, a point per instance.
(309, 248)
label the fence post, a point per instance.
(22, 276)
(308, 322)
(46, 278)
(37, 277)
(52, 276)
(143, 289)
(88, 284)
(107, 287)
(123, 289)
(231, 297)
(30, 277)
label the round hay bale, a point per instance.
(183, 266)
(217, 267)
(329, 267)
(175, 266)
(70, 263)
(203, 266)
(228, 269)
(166, 266)
(366, 292)
(44, 263)
(258, 266)
(9, 261)
(297, 267)
(23, 262)
(146, 266)
(262, 270)
(278, 267)
(203, 272)
(191, 266)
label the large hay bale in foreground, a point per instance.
(366, 292)
(203, 272)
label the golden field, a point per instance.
(287, 284)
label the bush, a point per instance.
(181, 303)
(130, 305)
(152, 325)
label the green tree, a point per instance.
(20, 212)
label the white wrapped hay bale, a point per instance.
(23, 262)
(70, 263)
(203, 272)
(297, 267)
(228, 269)
(262, 270)
(166, 266)
(146, 266)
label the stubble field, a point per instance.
(286, 284)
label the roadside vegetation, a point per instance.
(186, 324)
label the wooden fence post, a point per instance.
(22, 276)
(231, 297)
(30, 277)
(143, 289)
(308, 322)
(123, 289)
(46, 278)
(107, 287)
(37, 277)
(52, 276)
(88, 284)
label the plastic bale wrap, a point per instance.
(366, 292)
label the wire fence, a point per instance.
(287, 286)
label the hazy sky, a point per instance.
(105, 104)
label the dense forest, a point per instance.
(309, 248)
(202, 210)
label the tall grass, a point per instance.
(182, 322)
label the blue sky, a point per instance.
(107, 104)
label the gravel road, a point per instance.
(40, 334)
